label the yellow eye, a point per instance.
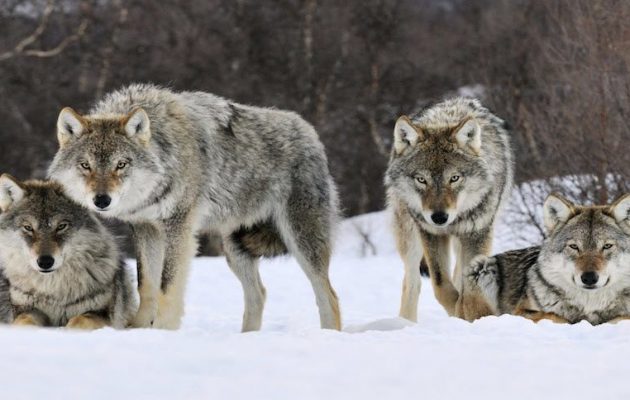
(454, 178)
(421, 180)
(61, 227)
(85, 166)
(27, 228)
(608, 246)
(121, 165)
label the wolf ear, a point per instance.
(10, 192)
(137, 125)
(405, 134)
(556, 209)
(70, 125)
(468, 136)
(621, 208)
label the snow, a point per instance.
(378, 356)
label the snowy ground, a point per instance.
(377, 357)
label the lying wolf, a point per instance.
(60, 266)
(581, 272)
(172, 164)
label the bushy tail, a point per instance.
(260, 240)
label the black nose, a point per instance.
(45, 262)
(589, 278)
(102, 201)
(439, 217)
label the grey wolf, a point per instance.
(580, 272)
(172, 164)
(60, 266)
(449, 172)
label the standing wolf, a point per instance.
(60, 266)
(449, 172)
(172, 163)
(581, 271)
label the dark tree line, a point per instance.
(556, 70)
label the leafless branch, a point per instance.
(21, 47)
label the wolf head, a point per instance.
(587, 247)
(103, 160)
(437, 165)
(39, 225)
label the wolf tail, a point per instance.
(260, 240)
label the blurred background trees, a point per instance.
(556, 70)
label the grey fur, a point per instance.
(6, 309)
(259, 176)
(88, 277)
(545, 280)
(456, 139)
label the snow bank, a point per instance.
(378, 356)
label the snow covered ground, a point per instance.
(377, 357)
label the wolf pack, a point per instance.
(175, 164)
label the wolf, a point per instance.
(60, 266)
(174, 163)
(449, 172)
(580, 272)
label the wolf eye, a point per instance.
(454, 178)
(608, 246)
(574, 246)
(27, 228)
(61, 227)
(421, 180)
(121, 165)
(85, 166)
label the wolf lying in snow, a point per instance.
(581, 272)
(60, 266)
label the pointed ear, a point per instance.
(137, 125)
(468, 136)
(556, 209)
(406, 134)
(70, 125)
(621, 208)
(10, 192)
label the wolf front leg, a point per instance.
(410, 249)
(180, 249)
(437, 254)
(150, 244)
(467, 247)
(472, 304)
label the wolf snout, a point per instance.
(45, 263)
(589, 278)
(102, 201)
(439, 217)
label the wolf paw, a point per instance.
(26, 320)
(145, 317)
(483, 278)
(86, 322)
(483, 271)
